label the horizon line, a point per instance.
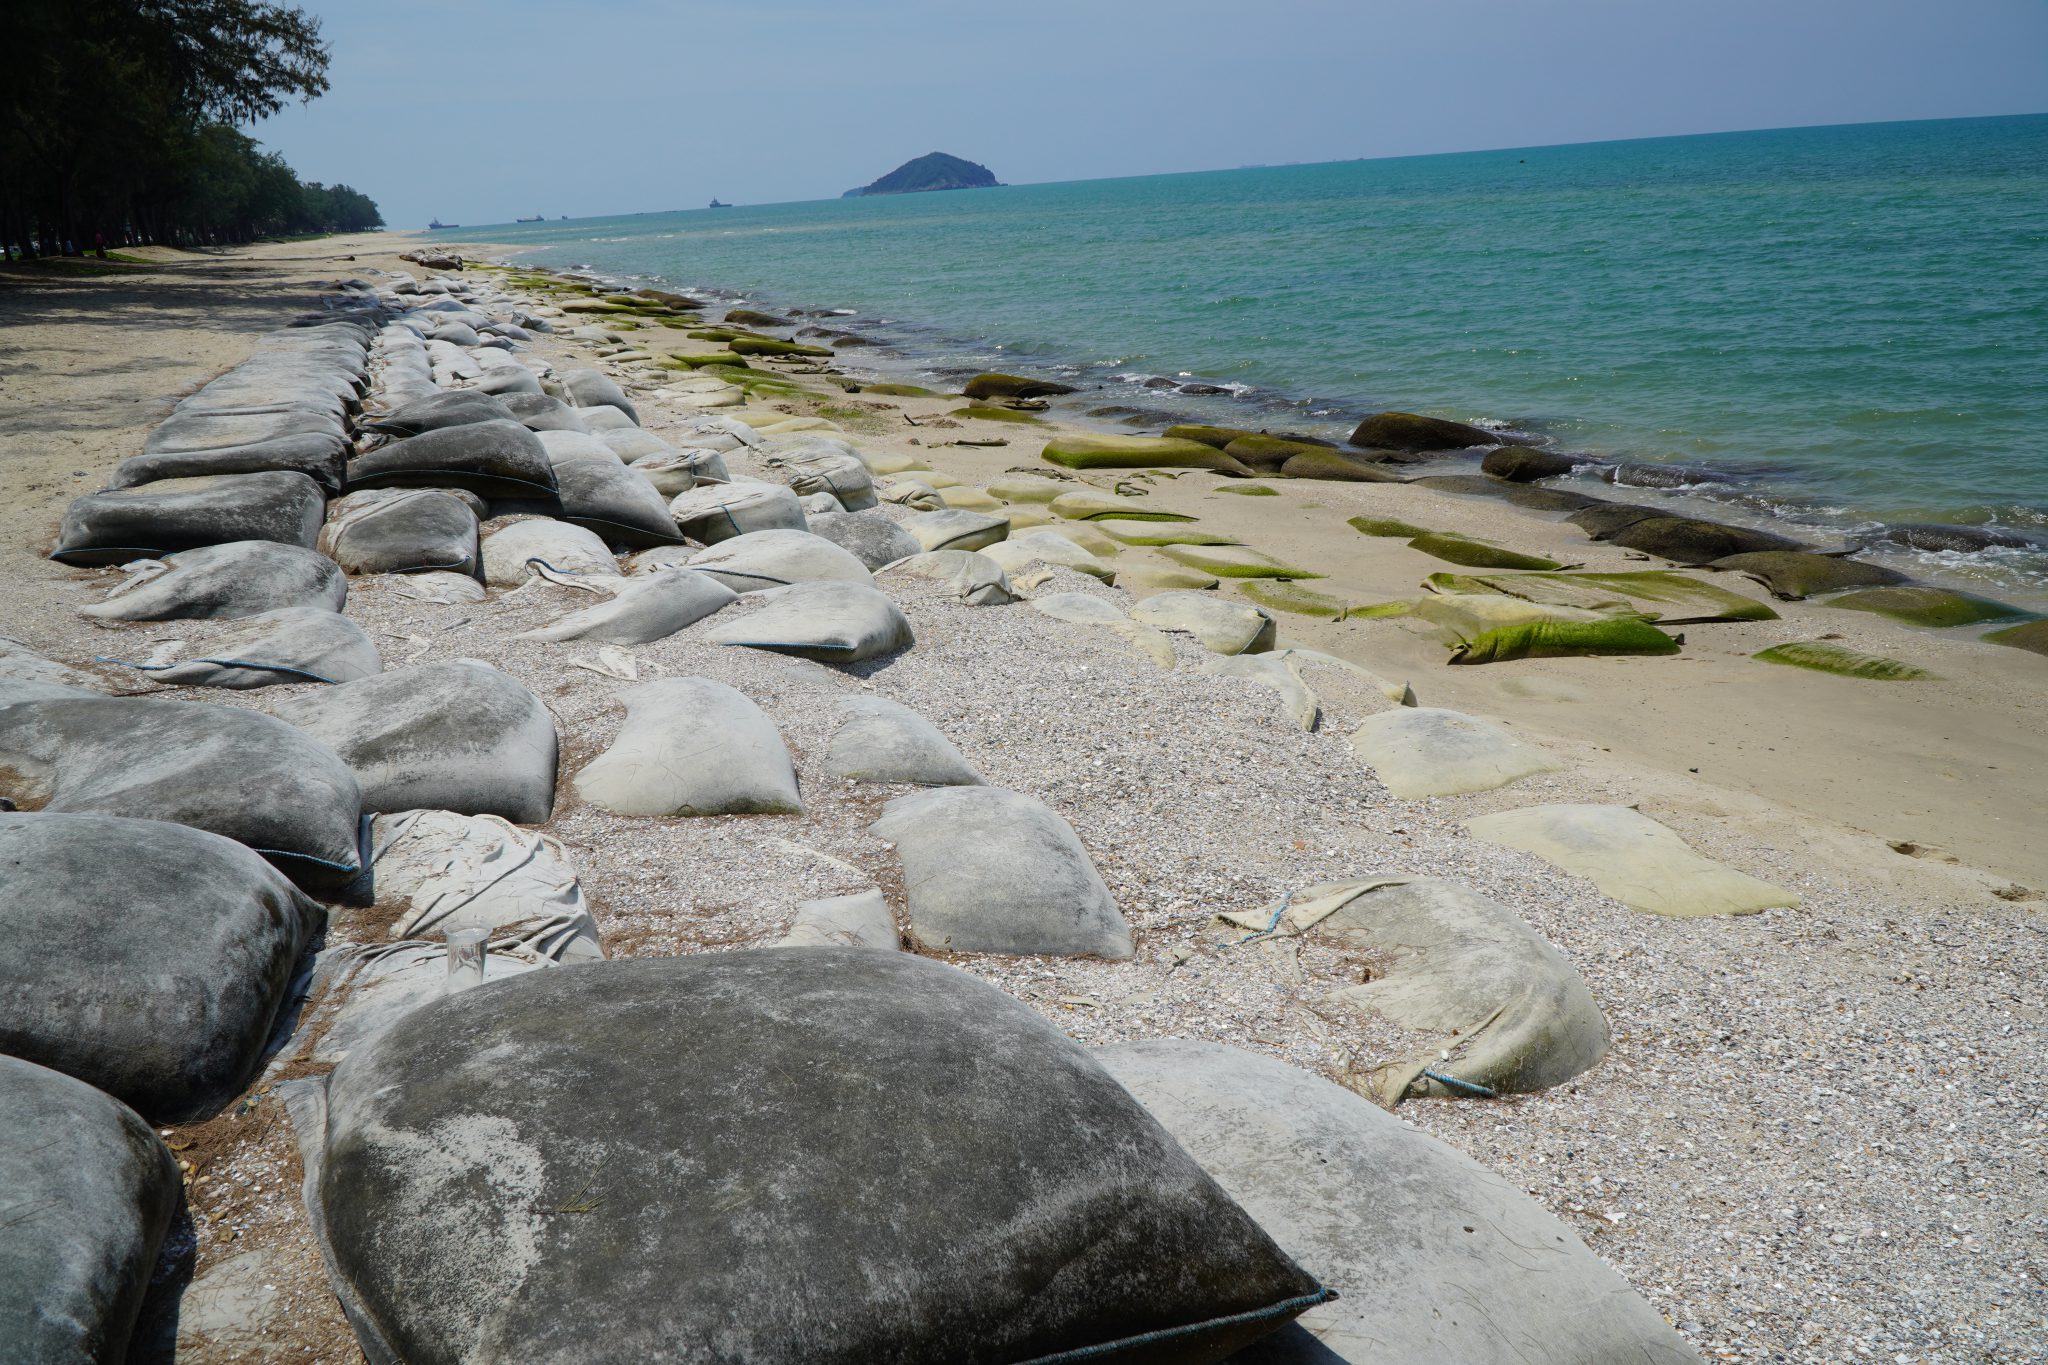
(1294, 165)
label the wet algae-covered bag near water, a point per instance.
(782, 1155)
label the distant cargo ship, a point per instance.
(715, 204)
(438, 225)
(537, 218)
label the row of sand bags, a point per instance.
(168, 860)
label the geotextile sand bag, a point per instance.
(994, 871)
(953, 1179)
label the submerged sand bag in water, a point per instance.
(1632, 858)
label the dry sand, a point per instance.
(1820, 1134)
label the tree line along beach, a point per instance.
(1292, 786)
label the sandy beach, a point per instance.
(1818, 1134)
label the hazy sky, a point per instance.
(479, 111)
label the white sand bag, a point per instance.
(956, 530)
(832, 622)
(879, 740)
(841, 474)
(858, 921)
(1218, 623)
(511, 552)
(1632, 858)
(691, 746)
(760, 560)
(631, 443)
(1423, 751)
(1499, 1008)
(678, 471)
(1047, 547)
(1296, 697)
(715, 512)
(1081, 609)
(646, 607)
(993, 871)
(478, 872)
(571, 445)
(969, 575)
(1433, 1257)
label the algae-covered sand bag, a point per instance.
(787, 1156)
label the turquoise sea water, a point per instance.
(1852, 320)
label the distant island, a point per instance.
(933, 171)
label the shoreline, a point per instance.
(1865, 770)
(911, 350)
(1811, 1130)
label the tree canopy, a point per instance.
(119, 119)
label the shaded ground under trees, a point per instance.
(121, 122)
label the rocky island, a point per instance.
(932, 171)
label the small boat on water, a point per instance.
(437, 225)
(715, 204)
(537, 218)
